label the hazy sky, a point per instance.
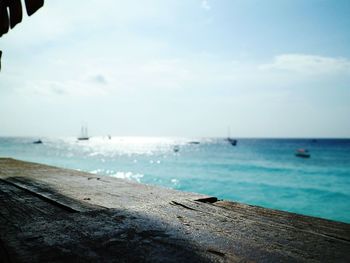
(267, 68)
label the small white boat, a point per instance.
(84, 134)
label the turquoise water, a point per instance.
(261, 172)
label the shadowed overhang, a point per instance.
(11, 13)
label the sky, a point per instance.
(188, 68)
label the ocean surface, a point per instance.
(262, 172)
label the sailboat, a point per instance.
(84, 134)
(232, 141)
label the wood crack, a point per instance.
(42, 197)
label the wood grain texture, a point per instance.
(49, 214)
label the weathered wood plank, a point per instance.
(52, 214)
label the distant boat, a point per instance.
(84, 134)
(303, 153)
(38, 142)
(193, 142)
(176, 148)
(232, 141)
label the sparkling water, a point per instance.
(262, 172)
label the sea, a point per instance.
(262, 172)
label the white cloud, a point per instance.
(308, 64)
(205, 5)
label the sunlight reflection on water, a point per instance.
(261, 172)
